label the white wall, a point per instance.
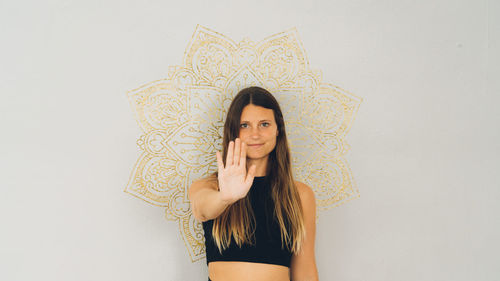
(424, 152)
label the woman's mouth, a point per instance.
(255, 145)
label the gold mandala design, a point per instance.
(182, 118)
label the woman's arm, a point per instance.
(208, 199)
(206, 202)
(303, 265)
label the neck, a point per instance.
(261, 165)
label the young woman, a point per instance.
(259, 222)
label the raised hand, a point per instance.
(234, 182)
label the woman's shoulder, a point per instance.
(301, 186)
(306, 193)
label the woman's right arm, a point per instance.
(234, 183)
(206, 202)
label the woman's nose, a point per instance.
(254, 132)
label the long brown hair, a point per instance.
(238, 220)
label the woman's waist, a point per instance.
(247, 271)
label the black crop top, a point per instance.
(267, 248)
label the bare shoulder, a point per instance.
(306, 193)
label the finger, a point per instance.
(251, 174)
(237, 150)
(243, 156)
(220, 165)
(229, 158)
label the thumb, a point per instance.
(251, 173)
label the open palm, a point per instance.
(234, 182)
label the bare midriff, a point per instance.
(247, 271)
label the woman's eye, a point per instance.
(262, 123)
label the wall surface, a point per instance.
(424, 146)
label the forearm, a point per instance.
(209, 204)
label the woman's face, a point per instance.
(257, 126)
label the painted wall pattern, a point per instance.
(182, 119)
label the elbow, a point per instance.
(199, 217)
